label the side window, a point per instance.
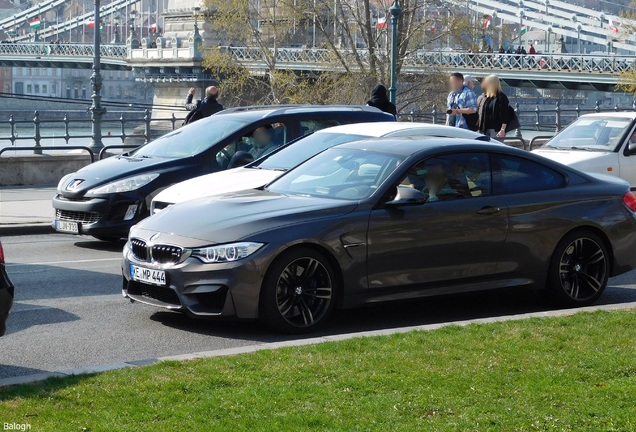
(256, 143)
(453, 176)
(515, 175)
(310, 126)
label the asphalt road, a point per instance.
(69, 312)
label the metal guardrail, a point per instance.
(533, 141)
(531, 119)
(126, 119)
(539, 119)
(105, 149)
(50, 148)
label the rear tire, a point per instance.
(298, 292)
(579, 269)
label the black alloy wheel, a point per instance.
(298, 292)
(580, 269)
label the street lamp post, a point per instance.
(579, 27)
(116, 39)
(548, 40)
(395, 11)
(521, 15)
(96, 109)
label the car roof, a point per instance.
(264, 111)
(408, 146)
(380, 129)
(613, 114)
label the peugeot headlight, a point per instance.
(62, 184)
(124, 185)
(227, 252)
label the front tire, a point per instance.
(579, 269)
(298, 292)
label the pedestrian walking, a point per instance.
(203, 108)
(496, 116)
(460, 103)
(380, 100)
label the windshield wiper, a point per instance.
(581, 148)
(553, 147)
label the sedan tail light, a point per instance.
(1, 254)
(630, 201)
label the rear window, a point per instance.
(516, 175)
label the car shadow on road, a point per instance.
(106, 246)
(10, 371)
(25, 315)
(433, 310)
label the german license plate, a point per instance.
(154, 277)
(64, 226)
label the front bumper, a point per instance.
(201, 290)
(101, 216)
(6, 298)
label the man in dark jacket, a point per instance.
(204, 108)
(380, 100)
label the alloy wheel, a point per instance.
(304, 292)
(582, 269)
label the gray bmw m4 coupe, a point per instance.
(380, 220)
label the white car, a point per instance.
(597, 143)
(273, 165)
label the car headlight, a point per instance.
(124, 185)
(227, 252)
(62, 183)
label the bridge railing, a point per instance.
(548, 62)
(69, 50)
(558, 62)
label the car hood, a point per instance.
(111, 169)
(573, 157)
(237, 216)
(233, 180)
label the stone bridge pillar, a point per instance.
(172, 63)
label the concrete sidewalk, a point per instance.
(25, 208)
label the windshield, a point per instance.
(303, 149)
(191, 139)
(592, 134)
(349, 174)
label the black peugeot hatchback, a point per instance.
(106, 198)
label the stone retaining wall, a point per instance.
(39, 169)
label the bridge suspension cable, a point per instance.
(113, 6)
(30, 13)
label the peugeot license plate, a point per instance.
(64, 226)
(154, 277)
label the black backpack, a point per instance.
(193, 116)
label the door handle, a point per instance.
(488, 210)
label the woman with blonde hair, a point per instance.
(495, 114)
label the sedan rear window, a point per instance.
(516, 175)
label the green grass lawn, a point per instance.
(575, 373)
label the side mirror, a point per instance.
(631, 148)
(407, 196)
(240, 159)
